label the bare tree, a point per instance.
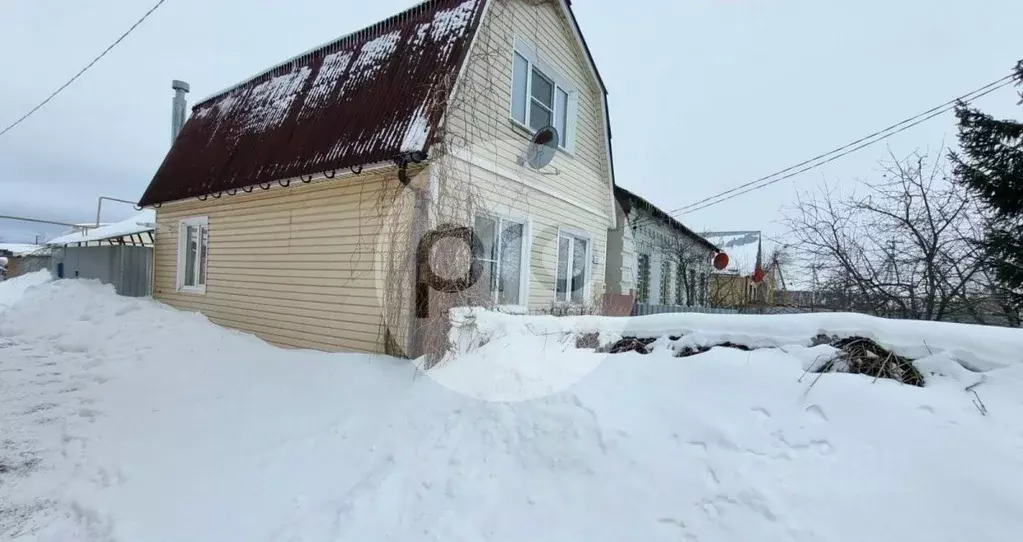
(690, 264)
(907, 248)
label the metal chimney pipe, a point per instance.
(178, 113)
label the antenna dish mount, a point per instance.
(542, 148)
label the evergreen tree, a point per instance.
(990, 165)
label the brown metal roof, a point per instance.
(364, 98)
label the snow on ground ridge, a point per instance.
(982, 348)
(14, 289)
(141, 422)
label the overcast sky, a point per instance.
(704, 94)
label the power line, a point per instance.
(854, 146)
(83, 70)
(691, 209)
(969, 95)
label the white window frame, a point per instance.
(704, 288)
(665, 293)
(681, 297)
(571, 234)
(523, 258)
(203, 223)
(533, 61)
(643, 294)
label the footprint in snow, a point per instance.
(42, 407)
(816, 413)
(672, 521)
(92, 378)
(699, 445)
(712, 477)
(88, 413)
(125, 310)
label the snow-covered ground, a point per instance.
(126, 420)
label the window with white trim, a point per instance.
(193, 241)
(503, 258)
(573, 253)
(540, 99)
(680, 285)
(704, 289)
(643, 284)
(665, 282)
(692, 287)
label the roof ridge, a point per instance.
(362, 34)
(363, 98)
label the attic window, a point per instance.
(540, 97)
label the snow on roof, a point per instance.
(140, 223)
(23, 249)
(627, 198)
(364, 98)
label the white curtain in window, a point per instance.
(578, 269)
(509, 287)
(519, 88)
(571, 280)
(204, 242)
(501, 258)
(564, 246)
(486, 231)
(191, 253)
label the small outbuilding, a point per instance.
(120, 254)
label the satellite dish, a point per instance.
(720, 261)
(542, 148)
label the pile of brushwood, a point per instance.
(859, 355)
(687, 351)
(864, 356)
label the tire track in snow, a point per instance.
(45, 392)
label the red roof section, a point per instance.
(365, 98)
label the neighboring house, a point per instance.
(737, 285)
(21, 259)
(120, 254)
(656, 256)
(289, 203)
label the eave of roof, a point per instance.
(603, 88)
(368, 97)
(140, 223)
(633, 198)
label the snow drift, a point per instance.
(124, 419)
(12, 290)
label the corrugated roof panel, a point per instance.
(362, 99)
